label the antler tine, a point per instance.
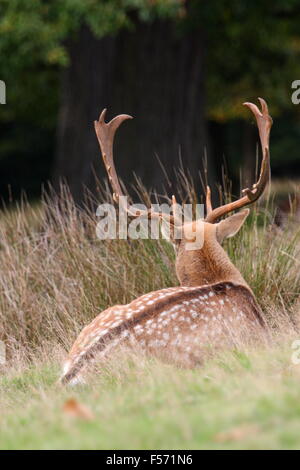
(208, 201)
(105, 133)
(264, 124)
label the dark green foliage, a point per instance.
(251, 49)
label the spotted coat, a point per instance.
(173, 323)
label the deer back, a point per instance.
(174, 323)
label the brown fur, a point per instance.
(212, 303)
(208, 265)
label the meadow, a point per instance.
(56, 276)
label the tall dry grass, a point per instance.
(56, 275)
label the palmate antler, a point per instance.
(264, 124)
(106, 132)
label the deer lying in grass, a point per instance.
(213, 300)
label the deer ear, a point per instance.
(229, 227)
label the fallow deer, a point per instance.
(213, 299)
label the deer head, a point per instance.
(209, 263)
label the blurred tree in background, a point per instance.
(181, 68)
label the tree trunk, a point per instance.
(154, 74)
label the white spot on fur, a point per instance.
(77, 380)
(66, 367)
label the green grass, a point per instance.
(56, 276)
(239, 400)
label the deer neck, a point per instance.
(208, 265)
